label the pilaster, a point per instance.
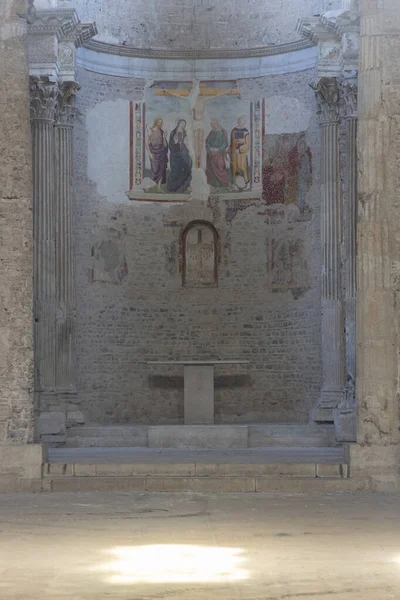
(344, 415)
(332, 326)
(65, 288)
(43, 105)
(52, 41)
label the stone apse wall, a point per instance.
(240, 161)
(196, 23)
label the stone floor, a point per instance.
(126, 546)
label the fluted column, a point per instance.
(43, 101)
(332, 307)
(65, 289)
(351, 247)
(344, 416)
(378, 280)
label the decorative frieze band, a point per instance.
(198, 54)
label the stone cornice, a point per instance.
(64, 24)
(316, 29)
(202, 54)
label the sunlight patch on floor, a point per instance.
(176, 563)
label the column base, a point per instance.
(329, 401)
(57, 412)
(345, 425)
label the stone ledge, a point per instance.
(206, 485)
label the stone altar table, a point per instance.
(199, 387)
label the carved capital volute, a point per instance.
(24, 10)
(43, 96)
(65, 110)
(327, 96)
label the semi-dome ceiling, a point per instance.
(195, 24)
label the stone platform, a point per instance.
(202, 471)
(198, 436)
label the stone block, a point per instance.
(198, 436)
(75, 417)
(51, 423)
(58, 470)
(199, 395)
(98, 484)
(303, 485)
(329, 470)
(376, 466)
(85, 470)
(167, 484)
(345, 425)
(145, 469)
(255, 470)
(222, 485)
(22, 461)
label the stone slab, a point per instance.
(109, 436)
(198, 395)
(198, 436)
(205, 485)
(291, 435)
(199, 455)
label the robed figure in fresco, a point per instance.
(180, 162)
(157, 147)
(239, 150)
(216, 146)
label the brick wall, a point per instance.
(131, 306)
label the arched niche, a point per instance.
(200, 255)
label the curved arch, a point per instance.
(200, 254)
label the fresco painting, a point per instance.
(199, 139)
(195, 132)
(287, 170)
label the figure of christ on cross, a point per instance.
(197, 97)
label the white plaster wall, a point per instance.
(196, 23)
(106, 124)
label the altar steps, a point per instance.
(258, 435)
(288, 470)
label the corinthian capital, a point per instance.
(327, 96)
(65, 111)
(43, 99)
(350, 96)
